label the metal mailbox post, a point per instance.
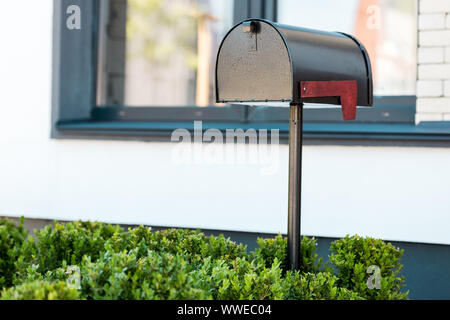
(264, 62)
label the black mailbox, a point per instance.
(262, 61)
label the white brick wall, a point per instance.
(434, 6)
(447, 88)
(432, 55)
(433, 83)
(432, 21)
(447, 52)
(439, 71)
(433, 105)
(434, 38)
(429, 88)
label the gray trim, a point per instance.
(263, 9)
(241, 10)
(271, 10)
(74, 70)
(349, 134)
(386, 110)
(56, 62)
(151, 114)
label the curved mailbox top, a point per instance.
(261, 61)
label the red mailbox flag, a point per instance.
(347, 91)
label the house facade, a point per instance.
(94, 107)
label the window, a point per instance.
(160, 53)
(139, 69)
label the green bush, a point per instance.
(319, 286)
(193, 244)
(270, 249)
(352, 256)
(64, 243)
(91, 260)
(41, 290)
(11, 240)
(242, 280)
(125, 276)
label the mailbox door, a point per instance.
(254, 66)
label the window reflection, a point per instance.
(387, 28)
(160, 52)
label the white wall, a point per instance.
(386, 192)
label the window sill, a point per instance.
(433, 134)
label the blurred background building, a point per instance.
(88, 113)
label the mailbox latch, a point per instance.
(251, 28)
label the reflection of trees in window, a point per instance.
(162, 29)
(169, 46)
(160, 52)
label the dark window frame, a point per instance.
(76, 115)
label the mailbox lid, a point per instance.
(269, 63)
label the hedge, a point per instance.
(92, 260)
(11, 239)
